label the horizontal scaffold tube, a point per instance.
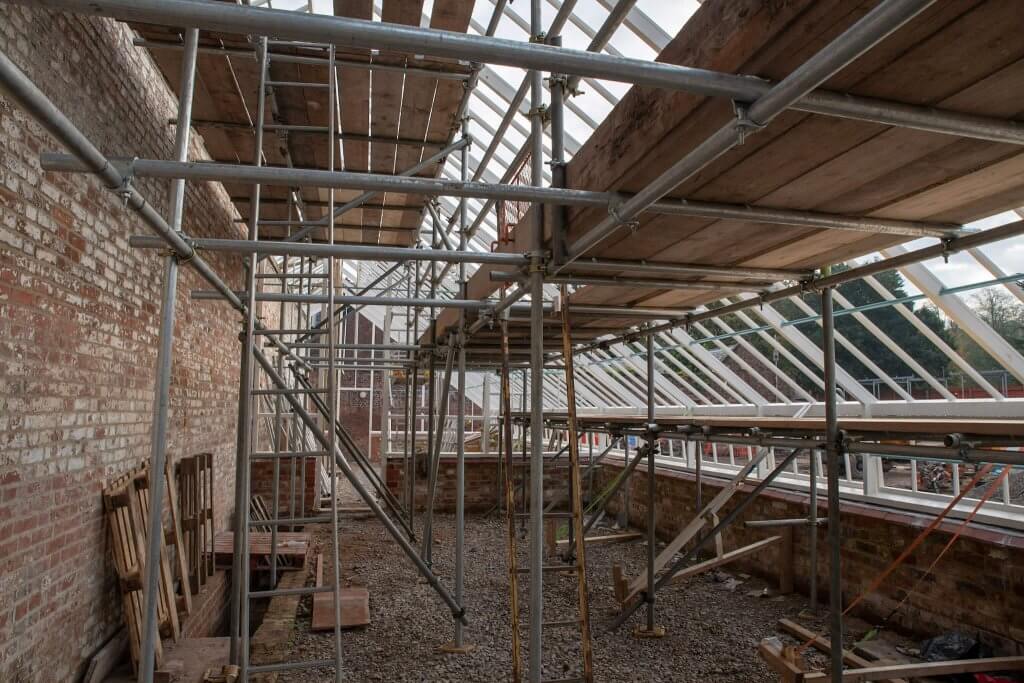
(614, 311)
(379, 182)
(656, 283)
(684, 269)
(348, 251)
(466, 304)
(349, 33)
(454, 73)
(469, 304)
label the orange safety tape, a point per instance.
(910, 548)
(992, 488)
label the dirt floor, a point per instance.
(713, 623)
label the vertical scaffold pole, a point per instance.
(460, 426)
(414, 408)
(409, 388)
(245, 439)
(536, 363)
(236, 559)
(559, 213)
(812, 519)
(510, 501)
(162, 385)
(832, 446)
(652, 489)
(333, 272)
(428, 515)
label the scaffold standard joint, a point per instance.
(744, 124)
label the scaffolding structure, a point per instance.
(675, 358)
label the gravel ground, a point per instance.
(713, 622)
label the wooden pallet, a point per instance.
(126, 501)
(195, 487)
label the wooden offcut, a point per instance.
(823, 644)
(355, 609)
(608, 538)
(961, 666)
(106, 658)
(693, 528)
(724, 559)
(355, 604)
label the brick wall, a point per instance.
(263, 485)
(977, 586)
(78, 327)
(482, 482)
(209, 615)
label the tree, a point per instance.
(1004, 314)
(886, 317)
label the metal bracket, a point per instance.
(182, 260)
(539, 38)
(487, 317)
(810, 285)
(947, 250)
(541, 111)
(538, 261)
(630, 224)
(125, 191)
(744, 124)
(566, 83)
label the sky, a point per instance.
(963, 269)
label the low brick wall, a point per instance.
(209, 608)
(483, 482)
(978, 585)
(270, 641)
(263, 485)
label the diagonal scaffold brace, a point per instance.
(457, 610)
(637, 599)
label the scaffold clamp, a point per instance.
(744, 124)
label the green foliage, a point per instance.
(994, 305)
(1004, 314)
(891, 322)
(887, 318)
